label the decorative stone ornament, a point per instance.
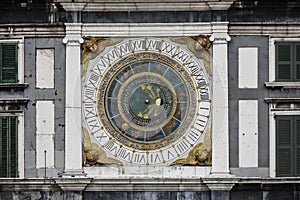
(146, 101)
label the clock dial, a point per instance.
(146, 103)
(146, 106)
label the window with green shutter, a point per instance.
(287, 146)
(8, 63)
(287, 61)
(9, 146)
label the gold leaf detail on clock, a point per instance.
(200, 155)
(93, 154)
(92, 47)
(199, 45)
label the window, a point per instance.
(287, 61)
(9, 146)
(8, 63)
(288, 145)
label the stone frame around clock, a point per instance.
(219, 35)
(185, 139)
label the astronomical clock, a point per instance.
(146, 101)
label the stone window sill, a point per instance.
(13, 86)
(287, 85)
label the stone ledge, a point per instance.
(11, 184)
(136, 184)
(149, 184)
(13, 86)
(282, 100)
(173, 172)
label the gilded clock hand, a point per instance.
(148, 88)
(144, 114)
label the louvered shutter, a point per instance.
(284, 146)
(4, 147)
(284, 61)
(297, 145)
(1, 63)
(297, 61)
(9, 147)
(9, 65)
(13, 147)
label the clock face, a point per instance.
(143, 103)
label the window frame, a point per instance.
(292, 62)
(20, 141)
(292, 146)
(20, 59)
(272, 65)
(11, 172)
(272, 134)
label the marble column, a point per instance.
(220, 142)
(73, 133)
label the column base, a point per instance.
(220, 185)
(73, 184)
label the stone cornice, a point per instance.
(142, 5)
(31, 30)
(273, 29)
(145, 29)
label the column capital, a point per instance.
(219, 32)
(73, 34)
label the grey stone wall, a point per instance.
(260, 94)
(236, 94)
(57, 94)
